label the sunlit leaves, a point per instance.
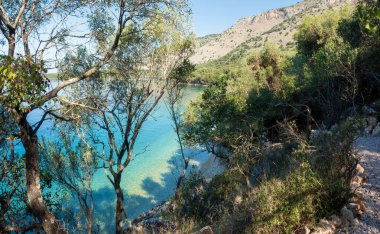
(76, 63)
(101, 25)
(369, 16)
(22, 82)
(314, 32)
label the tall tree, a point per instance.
(71, 164)
(173, 101)
(24, 87)
(132, 87)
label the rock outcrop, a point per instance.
(276, 26)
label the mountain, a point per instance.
(275, 26)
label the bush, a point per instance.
(299, 184)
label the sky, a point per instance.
(215, 16)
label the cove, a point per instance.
(150, 178)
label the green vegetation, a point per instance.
(143, 46)
(279, 96)
(257, 115)
(52, 76)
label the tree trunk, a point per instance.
(89, 219)
(36, 201)
(179, 182)
(12, 42)
(119, 205)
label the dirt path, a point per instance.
(369, 148)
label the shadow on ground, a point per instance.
(104, 207)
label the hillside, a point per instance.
(276, 26)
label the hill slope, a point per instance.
(276, 26)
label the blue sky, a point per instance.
(215, 16)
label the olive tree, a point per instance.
(24, 86)
(126, 94)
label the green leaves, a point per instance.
(315, 31)
(369, 16)
(21, 81)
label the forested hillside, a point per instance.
(284, 122)
(227, 51)
(276, 26)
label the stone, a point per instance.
(355, 185)
(355, 208)
(347, 214)
(359, 169)
(335, 220)
(376, 106)
(368, 110)
(356, 222)
(345, 223)
(362, 206)
(372, 121)
(368, 130)
(323, 231)
(205, 230)
(303, 230)
(357, 179)
(376, 130)
(238, 200)
(365, 176)
(326, 227)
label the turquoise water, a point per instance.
(150, 178)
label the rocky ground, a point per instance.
(369, 149)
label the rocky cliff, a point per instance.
(276, 26)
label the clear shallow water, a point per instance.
(151, 177)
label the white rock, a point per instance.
(354, 207)
(205, 230)
(238, 200)
(360, 169)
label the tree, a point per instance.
(125, 96)
(174, 98)
(315, 31)
(72, 164)
(340, 56)
(23, 84)
(268, 67)
(216, 120)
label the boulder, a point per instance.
(347, 215)
(326, 227)
(355, 208)
(336, 221)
